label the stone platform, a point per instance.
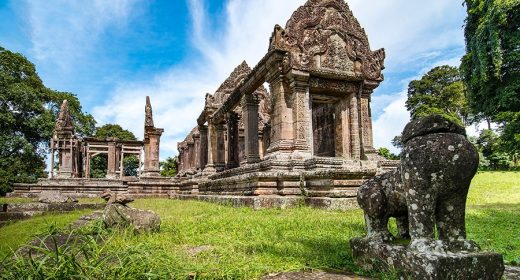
(76, 187)
(428, 266)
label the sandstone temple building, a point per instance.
(295, 127)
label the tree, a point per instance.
(27, 119)
(491, 66)
(169, 167)
(98, 163)
(440, 91)
(385, 152)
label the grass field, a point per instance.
(202, 240)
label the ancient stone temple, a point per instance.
(309, 136)
(74, 154)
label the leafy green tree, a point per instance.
(491, 66)
(98, 165)
(169, 167)
(440, 91)
(27, 119)
(398, 142)
(385, 152)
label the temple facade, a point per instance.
(310, 135)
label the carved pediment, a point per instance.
(233, 81)
(324, 36)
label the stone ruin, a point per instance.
(427, 195)
(309, 137)
(72, 176)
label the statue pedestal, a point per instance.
(411, 264)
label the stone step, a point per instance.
(14, 216)
(57, 207)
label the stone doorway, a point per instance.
(323, 126)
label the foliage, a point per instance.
(491, 66)
(207, 241)
(169, 167)
(28, 110)
(398, 142)
(98, 164)
(114, 131)
(440, 91)
(385, 152)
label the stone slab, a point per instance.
(426, 266)
(281, 202)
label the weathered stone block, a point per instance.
(412, 264)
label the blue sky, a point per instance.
(114, 53)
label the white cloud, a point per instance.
(410, 31)
(63, 32)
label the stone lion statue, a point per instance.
(427, 191)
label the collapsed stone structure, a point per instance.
(427, 193)
(310, 136)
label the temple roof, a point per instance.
(324, 35)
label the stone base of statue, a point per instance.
(410, 264)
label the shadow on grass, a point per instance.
(495, 227)
(331, 253)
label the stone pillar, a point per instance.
(189, 155)
(250, 116)
(232, 149)
(151, 159)
(180, 167)
(152, 139)
(65, 157)
(343, 148)
(216, 158)
(220, 162)
(112, 160)
(367, 141)
(196, 151)
(203, 148)
(282, 143)
(302, 115)
(355, 145)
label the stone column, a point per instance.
(151, 159)
(112, 160)
(367, 141)
(355, 146)
(220, 162)
(211, 167)
(65, 158)
(191, 155)
(203, 148)
(282, 143)
(250, 115)
(180, 167)
(232, 132)
(343, 148)
(196, 151)
(302, 115)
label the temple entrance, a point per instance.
(323, 126)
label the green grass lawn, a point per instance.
(203, 240)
